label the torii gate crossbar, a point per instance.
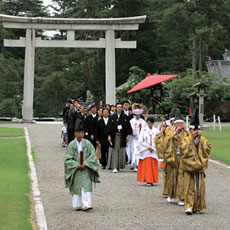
(30, 42)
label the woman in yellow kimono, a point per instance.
(196, 150)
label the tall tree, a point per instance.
(12, 59)
(31, 8)
(177, 35)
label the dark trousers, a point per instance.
(86, 136)
(93, 142)
(104, 153)
(70, 133)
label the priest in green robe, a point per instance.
(81, 169)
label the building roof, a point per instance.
(220, 68)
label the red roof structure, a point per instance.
(150, 81)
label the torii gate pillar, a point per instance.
(110, 69)
(109, 25)
(28, 93)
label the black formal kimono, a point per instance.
(91, 123)
(76, 115)
(131, 117)
(119, 129)
(85, 126)
(70, 124)
(125, 130)
(64, 114)
(102, 136)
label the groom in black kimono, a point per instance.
(119, 130)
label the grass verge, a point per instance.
(33, 153)
(8, 122)
(11, 132)
(14, 185)
(220, 141)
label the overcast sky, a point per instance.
(50, 32)
(46, 2)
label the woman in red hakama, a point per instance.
(147, 156)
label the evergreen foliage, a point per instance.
(178, 35)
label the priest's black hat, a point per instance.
(194, 123)
(78, 125)
(172, 113)
(178, 116)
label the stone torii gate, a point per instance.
(30, 42)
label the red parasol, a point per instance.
(151, 80)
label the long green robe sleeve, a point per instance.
(76, 179)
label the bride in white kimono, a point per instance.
(147, 156)
(137, 124)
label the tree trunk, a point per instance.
(89, 74)
(194, 54)
(209, 25)
(200, 57)
(153, 101)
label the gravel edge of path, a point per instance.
(37, 212)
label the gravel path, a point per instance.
(119, 201)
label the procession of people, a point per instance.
(120, 137)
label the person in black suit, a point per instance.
(83, 118)
(73, 114)
(102, 136)
(76, 114)
(70, 127)
(126, 105)
(119, 130)
(65, 110)
(91, 123)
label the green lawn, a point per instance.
(14, 183)
(11, 132)
(8, 122)
(220, 141)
